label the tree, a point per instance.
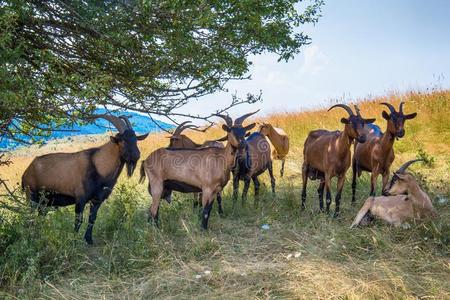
(62, 59)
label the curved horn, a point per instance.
(180, 128)
(358, 112)
(391, 108)
(125, 119)
(241, 119)
(227, 119)
(403, 168)
(117, 122)
(346, 107)
(401, 106)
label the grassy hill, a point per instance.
(301, 255)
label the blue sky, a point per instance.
(359, 48)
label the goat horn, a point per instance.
(358, 112)
(403, 168)
(401, 106)
(240, 120)
(180, 128)
(125, 119)
(117, 122)
(391, 108)
(227, 119)
(346, 107)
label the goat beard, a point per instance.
(130, 168)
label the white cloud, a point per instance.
(314, 60)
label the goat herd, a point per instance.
(88, 176)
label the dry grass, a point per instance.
(302, 255)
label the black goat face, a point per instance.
(356, 124)
(396, 122)
(129, 151)
(238, 134)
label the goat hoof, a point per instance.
(89, 241)
(336, 214)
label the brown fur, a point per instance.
(206, 169)
(327, 155)
(377, 153)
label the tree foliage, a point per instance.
(61, 59)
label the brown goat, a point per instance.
(327, 154)
(406, 201)
(89, 175)
(377, 153)
(280, 141)
(205, 170)
(181, 141)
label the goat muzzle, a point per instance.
(361, 139)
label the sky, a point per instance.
(360, 48)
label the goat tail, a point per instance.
(142, 178)
(363, 211)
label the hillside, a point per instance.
(141, 124)
(300, 255)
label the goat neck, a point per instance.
(107, 161)
(344, 142)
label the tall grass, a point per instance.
(301, 255)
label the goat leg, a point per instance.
(219, 203)
(282, 167)
(79, 209)
(245, 190)
(272, 178)
(328, 189)
(304, 181)
(257, 186)
(92, 218)
(235, 188)
(320, 192)
(340, 185)
(207, 202)
(354, 169)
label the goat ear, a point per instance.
(114, 139)
(249, 127)
(345, 121)
(369, 121)
(226, 128)
(247, 134)
(401, 176)
(385, 115)
(142, 137)
(410, 116)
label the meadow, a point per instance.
(270, 251)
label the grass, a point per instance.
(301, 255)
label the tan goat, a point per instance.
(327, 154)
(279, 140)
(205, 170)
(407, 202)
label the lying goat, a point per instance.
(279, 140)
(89, 175)
(205, 170)
(407, 201)
(327, 155)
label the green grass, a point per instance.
(302, 254)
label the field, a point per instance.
(294, 255)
